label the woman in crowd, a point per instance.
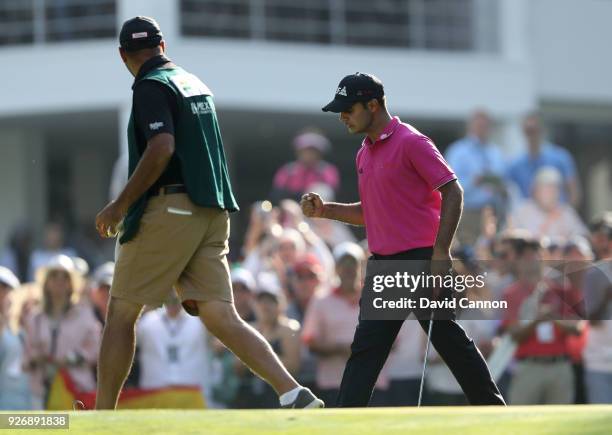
(61, 334)
(283, 335)
(14, 383)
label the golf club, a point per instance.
(425, 360)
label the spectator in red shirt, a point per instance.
(307, 282)
(538, 319)
(578, 256)
(296, 178)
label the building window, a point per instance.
(56, 20)
(16, 22)
(417, 24)
(220, 18)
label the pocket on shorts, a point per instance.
(179, 211)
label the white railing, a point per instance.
(39, 21)
(468, 25)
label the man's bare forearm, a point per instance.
(154, 161)
(348, 213)
(450, 214)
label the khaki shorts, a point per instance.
(180, 245)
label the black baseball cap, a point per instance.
(354, 88)
(140, 32)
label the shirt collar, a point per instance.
(149, 65)
(386, 133)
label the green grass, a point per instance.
(519, 420)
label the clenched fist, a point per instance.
(312, 205)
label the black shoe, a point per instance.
(305, 399)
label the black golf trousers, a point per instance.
(373, 340)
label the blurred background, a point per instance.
(272, 65)
(514, 74)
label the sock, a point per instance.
(288, 397)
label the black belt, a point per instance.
(169, 190)
(411, 254)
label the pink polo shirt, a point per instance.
(399, 175)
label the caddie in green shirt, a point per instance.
(172, 220)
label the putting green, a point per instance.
(553, 420)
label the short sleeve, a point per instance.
(429, 163)
(153, 109)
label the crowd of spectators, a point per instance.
(298, 282)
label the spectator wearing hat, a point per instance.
(281, 332)
(63, 334)
(8, 282)
(296, 178)
(306, 282)
(101, 283)
(100, 290)
(53, 245)
(544, 214)
(598, 298)
(577, 257)
(14, 383)
(540, 318)
(243, 286)
(16, 255)
(330, 323)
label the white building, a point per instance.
(272, 64)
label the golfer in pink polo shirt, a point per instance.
(410, 204)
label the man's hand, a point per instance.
(108, 220)
(441, 265)
(312, 205)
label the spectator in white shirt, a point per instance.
(173, 348)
